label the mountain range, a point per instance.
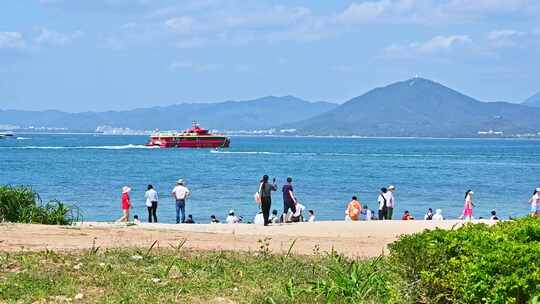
(421, 107)
(261, 113)
(414, 107)
(533, 101)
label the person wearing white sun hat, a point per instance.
(391, 202)
(180, 193)
(126, 204)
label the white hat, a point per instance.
(471, 192)
(126, 189)
(537, 189)
(180, 181)
(391, 187)
(231, 211)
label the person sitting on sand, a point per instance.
(297, 216)
(367, 215)
(231, 218)
(136, 220)
(429, 215)
(353, 209)
(126, 204)
(311, 216)
(274, 219)
(438, 215)
(407, 216)
(258, 219)
(189, 219)
(213, 219)
(494, 216)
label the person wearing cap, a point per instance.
(126, 204)
(468, 206)
(231, 218)
(535, 202)
(180, 193)
(391, 202)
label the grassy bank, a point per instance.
(170, 276)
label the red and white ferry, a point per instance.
(195, 137)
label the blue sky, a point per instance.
(78, 55)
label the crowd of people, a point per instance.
(293, 210)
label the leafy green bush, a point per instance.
(23, 205)
(472, 264)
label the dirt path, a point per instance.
(356, 239)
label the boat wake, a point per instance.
(122, 147)
(245, 152)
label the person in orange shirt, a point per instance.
(354, 209)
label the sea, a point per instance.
(89, 170)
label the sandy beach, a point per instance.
(354, 239)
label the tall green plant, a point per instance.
(23, 205)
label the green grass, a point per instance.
(174, 275)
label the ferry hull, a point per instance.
(190, 143)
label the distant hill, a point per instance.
(254, 114)
(420, 107)
(533, 101)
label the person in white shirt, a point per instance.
(180, 193)
(366, 212)
(258, 219)
(311, 216)
(391, 202)
(438, 215)
(151, 197)
(233, 219)
(274, 218)
(297, 215)
(384, 201)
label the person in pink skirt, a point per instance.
(468, 206)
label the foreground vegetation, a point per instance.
(472, 264)
(23, 205)
(168, 276)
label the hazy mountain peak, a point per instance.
(533, 101)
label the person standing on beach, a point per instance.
(354, 209)
(151, 197)
(383, 199)
(265, 194)
(289, 200)
(126, 204)
(535, 202)
(180, 193)
(468, 206)
(391, 202)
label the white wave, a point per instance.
(244, 152)
(130, 146)
(23, 138)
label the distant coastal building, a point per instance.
(490, 132)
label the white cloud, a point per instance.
(12, 40)
(505, 38)
(435, 45)
(193, 66)
(53, 38)
(181, 25)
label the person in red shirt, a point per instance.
(126, 204)
(407, 216)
